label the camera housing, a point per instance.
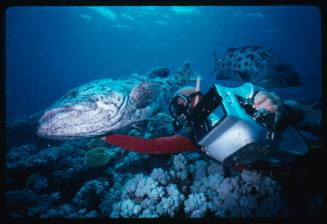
(224, 126)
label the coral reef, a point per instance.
(23, 157)
(90, 194)
(250, 195)
(86, 178)
(46, 157)
(37, 182)
(16, 156)
(23, 131)
(312, 120)
(145, 197)
(196, 205)
(164, 193)
(161, 125)
(29, 203)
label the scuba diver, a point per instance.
(235, 126)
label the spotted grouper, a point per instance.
(258, 65)
(108, 105)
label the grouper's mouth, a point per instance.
(69, 122)
(49, 123)
(51, 113)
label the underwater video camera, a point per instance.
(228, 129)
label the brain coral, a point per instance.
(97, 157)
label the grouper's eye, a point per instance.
(71, 94)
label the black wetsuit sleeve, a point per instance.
(187, 132)
(288, 114)
(293, 111)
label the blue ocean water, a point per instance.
(50, 50)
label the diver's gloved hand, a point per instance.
(268, 101)
(270, 110)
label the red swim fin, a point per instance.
(173, 144)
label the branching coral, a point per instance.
(161, 125)
(90, 194)
(28, 202)
(129, 160)
(37, 182)
(16, 157)
(250, 195)
(45, 157)
(44, 203)
(143, 196)
(179, 165)
(112, 195)
(196, 205)
(62, 211)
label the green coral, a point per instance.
(97, 157)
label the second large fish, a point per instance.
(258, 65)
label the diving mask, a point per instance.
(180, 107)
